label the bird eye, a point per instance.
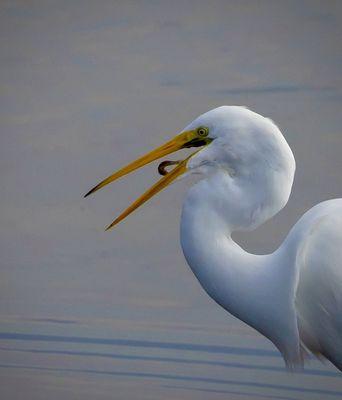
(202, 131)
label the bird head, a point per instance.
(229, 138)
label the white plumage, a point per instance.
(292, 296)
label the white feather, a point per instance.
(292, 296)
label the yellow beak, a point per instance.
(184, 140)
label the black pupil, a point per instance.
(202, 131)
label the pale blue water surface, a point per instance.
(87, 86)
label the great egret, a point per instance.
(292, 296)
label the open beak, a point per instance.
(184, 140)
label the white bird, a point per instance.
(292, 296)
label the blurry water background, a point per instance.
(87, 86)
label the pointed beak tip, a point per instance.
(90, 192)
(109, 227)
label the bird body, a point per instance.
(292, 296)
(319, 295)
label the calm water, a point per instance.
(86, 87)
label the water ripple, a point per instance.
(180, 378)
(175, 360)
(217, 349)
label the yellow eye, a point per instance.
(202, 131)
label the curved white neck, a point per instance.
(255, 288)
